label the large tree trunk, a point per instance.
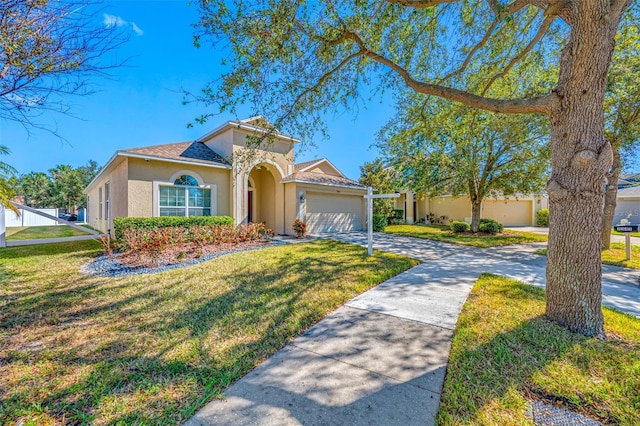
(610, 199)
(580, 159)
(475, 215)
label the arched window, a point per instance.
(185, 198)
(186, 180)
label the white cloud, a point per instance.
(116, 21)
(136, 29)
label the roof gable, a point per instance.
(188, 151)
(320, 166)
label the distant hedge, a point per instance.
(542, 217)
(120, 224)
(379, 222)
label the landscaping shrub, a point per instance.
(396, 218)
(436, 220)
(300, 228)
(153, 242)
(542, 217)
(379, 222)
(490, 226)
(121, 224)
(458, 227)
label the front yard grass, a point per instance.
(39, 232)
(152, 349)
(505, 353)
(615, 256)
(443, 233)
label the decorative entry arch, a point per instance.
(264, 196)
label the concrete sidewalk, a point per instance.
(381, 358)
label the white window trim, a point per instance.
(158, 183)
(100, 203)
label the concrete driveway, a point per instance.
(381, 358)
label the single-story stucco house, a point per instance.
(218, 175)
(517, 210)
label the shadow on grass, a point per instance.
(532, 356)
(155, 348)
(76, 248)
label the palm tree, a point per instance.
(6, 189)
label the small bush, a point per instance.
(153, 242)
(121, 224)
(379, 222)
(542, 217)
(436, 220)
(300, 228)
(490, 226)
(458, 227)
(396, 218)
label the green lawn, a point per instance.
(505, 353)
(616, 256)
(443, 233)
(38, 232)
(152, 349)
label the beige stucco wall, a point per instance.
(117, 178)
(222, 144)
(272, 151)
(142, 173)
(264, 197)
(455, 208)
(291, 206)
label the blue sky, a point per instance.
(141, 105)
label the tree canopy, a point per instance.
(7, 173)
(62, 187)
(622, 110)
(296, 60)
(442, 148)
(384, 180)
(48, 51)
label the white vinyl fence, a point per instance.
(38, 217)
(28, 218)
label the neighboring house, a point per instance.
(627, 180)
(218, 175)
(627, 205)
(513, 211)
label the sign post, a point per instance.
(370, 197)
(627, 229)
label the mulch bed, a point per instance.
(130, 263)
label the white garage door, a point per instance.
(333, 212)
(509, 213)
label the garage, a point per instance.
(628, 209)
(509, 212)
(327, 212)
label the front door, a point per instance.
(250, 206)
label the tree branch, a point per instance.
(541, 104)
(541, 32)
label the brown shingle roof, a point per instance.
(191, 151)
(321, 178)
(300, 166)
